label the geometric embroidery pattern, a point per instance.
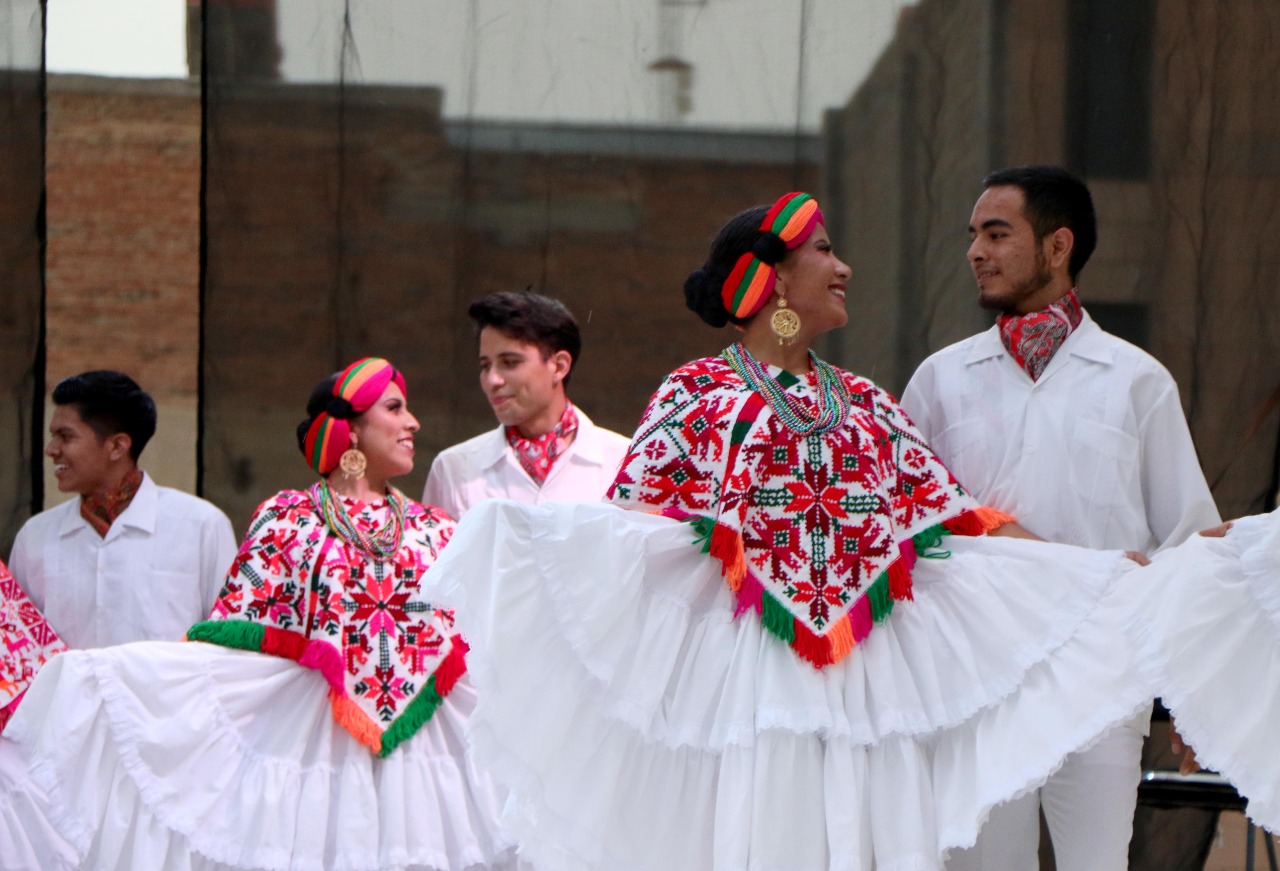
(826, 524)
(297, 590)
(27, 642)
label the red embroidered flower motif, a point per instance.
(381, 604)
(275, 603)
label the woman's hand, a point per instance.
(1216, 531)
(1138, 557)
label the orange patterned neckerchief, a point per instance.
(102, 509)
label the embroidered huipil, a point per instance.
(299, 591)
(27, 642)
(816, 534)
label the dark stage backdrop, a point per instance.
(21, 262)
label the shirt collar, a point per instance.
(585, 444)
(141, 513)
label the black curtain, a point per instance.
(21, 262)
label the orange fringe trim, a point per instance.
(351, 718)
(840, 638)
(992, 518)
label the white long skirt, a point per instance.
(641, 727)
(194, 757)
(1210, 640)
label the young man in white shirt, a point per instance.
(127, 560)
(1079, 435)
(544, 448)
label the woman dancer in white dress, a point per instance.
(341, 749)
(799, 651)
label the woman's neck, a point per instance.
(365, 489)
(764, 346)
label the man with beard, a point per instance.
(1079, 435)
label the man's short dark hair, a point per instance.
(1054, 198)
(110, 402)
(533, 318)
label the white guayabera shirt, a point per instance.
(157, 571)
(1095, 453)
(486, 467)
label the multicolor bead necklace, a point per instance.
(384, 542)
(833, 396)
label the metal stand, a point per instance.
(1204, 789)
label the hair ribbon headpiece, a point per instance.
(785, 226)
(356, 389)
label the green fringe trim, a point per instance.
(704, 527)
(930, 540)
(420, 710)
(240, 634)
(878, 596)
(777, 619)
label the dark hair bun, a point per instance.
(702, 296)
(769, 248)
(339, 408)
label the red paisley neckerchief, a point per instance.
(537, 455)
(1033, 339)
(102, 509)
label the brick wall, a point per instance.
(356, 222)
(122, 266)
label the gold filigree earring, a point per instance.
(353, 462)
(785, 323)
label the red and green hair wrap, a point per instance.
(360, 384)
(751, 281)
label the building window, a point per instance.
(1109, 84)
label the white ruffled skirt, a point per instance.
(641, 727)
(194, 757)
(1210, 639)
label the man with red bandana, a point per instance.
(1082, 437)
(128, 560)
(545, 448)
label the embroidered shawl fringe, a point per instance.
(875, 605)
(244, 635)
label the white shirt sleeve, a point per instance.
(1178, 500)
(440, 491)
(918, 400)
(217, 552)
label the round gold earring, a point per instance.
(353, 462)
(785, 323)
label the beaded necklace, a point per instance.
(383, 543)
(833, 396)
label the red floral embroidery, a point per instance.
(819, 517)
(27, 642)
(292, 574)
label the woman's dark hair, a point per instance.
(740, 235)
(322, 400)
(110, 402)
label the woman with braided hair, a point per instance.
(342, 748)
(799, 649)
